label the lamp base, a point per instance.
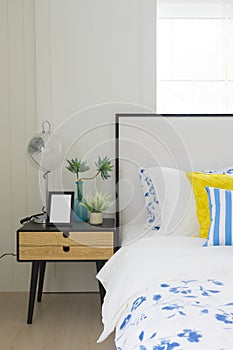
(40, 219)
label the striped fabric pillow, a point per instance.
(221, 216)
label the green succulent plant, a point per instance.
(76, 166)
(103, 168)
(97, 203)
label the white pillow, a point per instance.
(131, 233)
(152, 204)
(175, 195)
(228, 171)
(151, 197)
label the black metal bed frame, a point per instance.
(117, 141)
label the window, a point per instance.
(194, 56)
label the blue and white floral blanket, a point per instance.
(182, 314)
(168, 293)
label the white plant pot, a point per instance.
(96, 218)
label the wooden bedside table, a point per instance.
(39, 244)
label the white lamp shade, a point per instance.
(46, 151)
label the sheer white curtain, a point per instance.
(194, 56)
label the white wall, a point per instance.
(93, 59)
(18, 178)
(59, 57)
(91, 52)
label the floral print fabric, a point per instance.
(187, 314)
(153, 210)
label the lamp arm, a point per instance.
(45, 176)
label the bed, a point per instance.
(170, 285)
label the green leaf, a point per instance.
(104, 167)
(77, 166)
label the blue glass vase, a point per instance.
(80, 212)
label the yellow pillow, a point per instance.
(199, 181)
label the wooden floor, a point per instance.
(61, 322)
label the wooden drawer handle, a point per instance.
(66, 249)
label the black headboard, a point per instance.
(191, 129)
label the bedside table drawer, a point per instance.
(65, 253)
(92, 239)
(56, 246)
(97, 239)
(31, 239)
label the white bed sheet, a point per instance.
(149, 260)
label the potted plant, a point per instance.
(96, 205)
(76, 166)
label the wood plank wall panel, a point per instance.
(91, 53)
(4, 127)
(5, 188)
(18, 178)
(18, 122)
(33, 201)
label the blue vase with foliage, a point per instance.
(76, 166)
(80, 212)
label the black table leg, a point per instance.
(99, 265)
(34, 278)
(41, 280)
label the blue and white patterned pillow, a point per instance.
(221, 217)
(227, 171)
(152, 204)
(153, 209)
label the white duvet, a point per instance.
(154, 260)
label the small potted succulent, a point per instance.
(96, 205)
(76, 166)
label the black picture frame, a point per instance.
(60, 208)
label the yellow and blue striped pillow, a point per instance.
(199, 181)
(221, 217)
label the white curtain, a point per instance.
(195, 56)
